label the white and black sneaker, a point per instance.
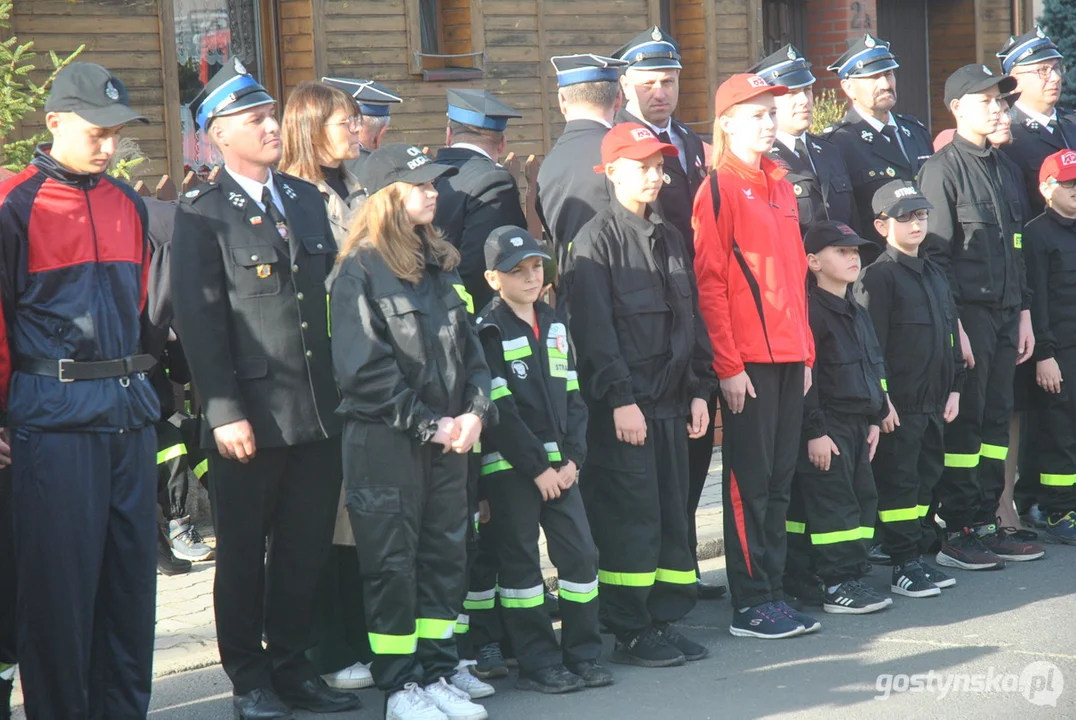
(853, 597)
(910, 580)
(938, 576)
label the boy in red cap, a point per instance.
(644, 363)
(1049, 246)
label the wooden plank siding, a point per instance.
(952, 45)
(994, 24)
(296, 42)
(689, 29)
(122, 35)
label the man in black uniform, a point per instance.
(975, 235)
(878, 144)
(250, 256)
(483, 195)
(1039, 127)
(816, 167)
(374, 101)
(570, 193)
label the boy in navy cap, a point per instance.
(842, 414)
(530, 459)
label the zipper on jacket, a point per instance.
(93, 226)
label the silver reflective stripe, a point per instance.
(581, 588)
(523, 594)
(492, 458)
(552, 447)
(497, 382)
(573, 375)
(482, 595)
(463, 620)
(517, 344)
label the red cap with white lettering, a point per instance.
(631, 141)
(740, 88)
(1060, 166)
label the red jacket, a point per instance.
(758, 209)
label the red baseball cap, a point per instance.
(631, 141)
(1060, 166)
(741, 88)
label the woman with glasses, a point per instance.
(318, 134)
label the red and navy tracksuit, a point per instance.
(73, 274)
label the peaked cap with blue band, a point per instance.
(1031, 47)
(785, 67)
(373, 99)
(865, 57)
(480, 109)
(575, 69)
(232, 89)
(651, 50)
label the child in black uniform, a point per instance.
(842, 412)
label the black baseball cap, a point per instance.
(399, 162)
(94, 94)
(974, 79)
(830, 233)
(508, 246)
(898, 197)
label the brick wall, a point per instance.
(829, 26)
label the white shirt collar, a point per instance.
(1038, 117)
(473, 148)
(875, 122)
(254, 189)
(667, 129)
(789, 141)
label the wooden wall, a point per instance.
(296, 42)
(122, 35)
(952, 45)
(994, 23)
(689, 29)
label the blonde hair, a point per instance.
(303, 133)
(720, 140)
(383, 224)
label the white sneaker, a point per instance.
(412, 703)
(355, 677)
(453, 702)
(471, 685)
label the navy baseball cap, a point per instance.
(94, 94)
(508, 246)
(830, 233)
(399, 162)
(898, 197)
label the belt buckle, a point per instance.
(61, 364)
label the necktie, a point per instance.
(663, 136)
(274, 214)
(805, 156)
(891, 132)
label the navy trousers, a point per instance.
(86, 555)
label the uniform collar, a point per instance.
(830, 301)
(472, 148)
(254, 189)
(971, 148)
(1060, 219)
(767, 169)
(873, 121)
(789, 141)
(1038, 117)
(644, 226)
(44, 162)
(912, 263)
(591, 118)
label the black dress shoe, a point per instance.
(706, 591)
(314, 695)
(260, 704)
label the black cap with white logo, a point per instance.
(975, 79)
(399, 162)
(508, 246)
(898, 197)
(94, 94)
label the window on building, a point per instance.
(784, 22)
(440, 40)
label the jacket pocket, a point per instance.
(381, 529)
(974, 262)
(404, 319)
(322, 252)
(256, 271)
(642, 323)
(251, 368)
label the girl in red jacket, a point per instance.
(751, 271)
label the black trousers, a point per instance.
(700, 453)
(799, 560)
(481, 622)
(1056, 441)
(8, 575)
(410, 519)
(288, 497)
(907, 467)
(977, 441)
(86, 555)
(516, 511)
(841, 502)
(173, 471)
(760, 450)
(636, 497)
(340, 614)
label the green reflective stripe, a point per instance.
(676, 577)
(952, 342)
(466, 297)
(201, 469)
(328, 315)
(830, 538)
(520, 598)
(578, 592)
(795, 527)
(516, 349)
(575, 597)
(480, 600)
(498, 388)
(885, 386)
(463, 624)
(435, 628)
(923, 510)
(1056, 480)
(899, 514)
(994, 452)
(495, 462)
(961, 460)
(573, 380)
(171, 453)
(393, 644)
(627, 579)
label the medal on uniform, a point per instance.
(890, 172)
(283, 230)
(256, 220)
(264, 271)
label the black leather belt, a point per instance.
(67, 370)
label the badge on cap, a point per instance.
(869, 41)
(791, 53)
(656, 35)
(516, 242)
(641, 134)
(987, 70)
(1068, 158)
(755, 81)
(1039, 32)
(111, 91)
(240, 68)
(264, 271)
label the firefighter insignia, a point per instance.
(656, 35)
(240, 68)
(867, 136)
(288, 191)
(666, 179)
(237, 200)
(869, 41)
(520, 369)
(791, 54)
(264, 271)
(798, 190)
(906, 131)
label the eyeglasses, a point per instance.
(1067, 184)
(1044, 71)
(352, 123)
(920, 215)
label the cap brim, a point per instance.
(879, 66)
(1004, 83)
(795, 80)
(656, 64)
(641, 152)
(1047, 53)
(516, 258)
(910, 205)
(111, 116)
(849, 241)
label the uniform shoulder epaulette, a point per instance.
(200, 191)
(293, 179)
(836, 126)
(912, 119)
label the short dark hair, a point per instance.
(459, 128)
(601, 94)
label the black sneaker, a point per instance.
(910, 580)
(489, 663)
(167, 563)
(708, 591)
(804, 591)
(854, 597)
(964, 550)
(939, 577)
(879, 556)
(552, 680)
(1007, 545)
(691, 649)
(646, 648)
(766, 622)
(593, 673)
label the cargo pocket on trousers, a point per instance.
(380, 528)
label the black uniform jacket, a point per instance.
(915, 321)
(1050, 250)
(873, 159)
(976, 227)
(252, 313)
(159, 315)
(570, 193)
(677, 197)
(849, 369)
(1032, 143)
(824, 189)
(405, 355)
(481, 198)
(634, 316)
(542, 419)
